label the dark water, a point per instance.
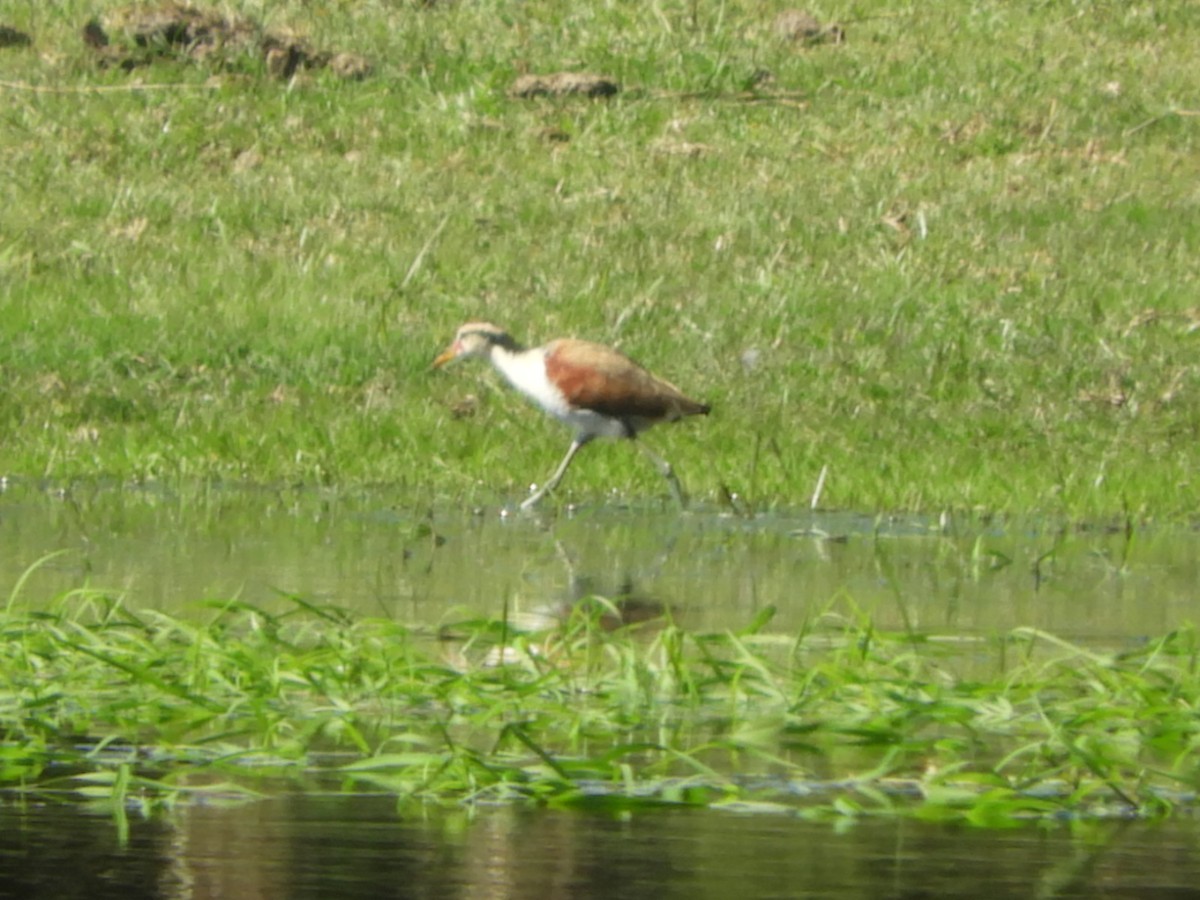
(170, 549)
(358, 847)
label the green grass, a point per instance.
(136, 710)
(952, 259)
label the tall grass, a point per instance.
(951, 259)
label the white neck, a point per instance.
(522, 368)
(526, 371)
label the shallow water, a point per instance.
(371, 552)
(366, 551)
(350, 847)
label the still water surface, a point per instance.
(380, 555)
(371, 553)
(357, 847)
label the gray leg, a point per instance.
(668, 473)
(558, 474)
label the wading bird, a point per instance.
(598, 391)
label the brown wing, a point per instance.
(592, 376)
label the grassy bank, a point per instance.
(951, 259)
(140, 709)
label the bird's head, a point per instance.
(475, 339)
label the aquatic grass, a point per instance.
(843, 720)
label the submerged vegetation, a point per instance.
(139, 709)
(945, 256)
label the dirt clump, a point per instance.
(803, 27)
(11, 37)
(562, 84)
(139, 34)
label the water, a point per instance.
(375, 553)
(371, 553)
(352, 847)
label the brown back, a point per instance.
(595, 377)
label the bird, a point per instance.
(598, 391)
